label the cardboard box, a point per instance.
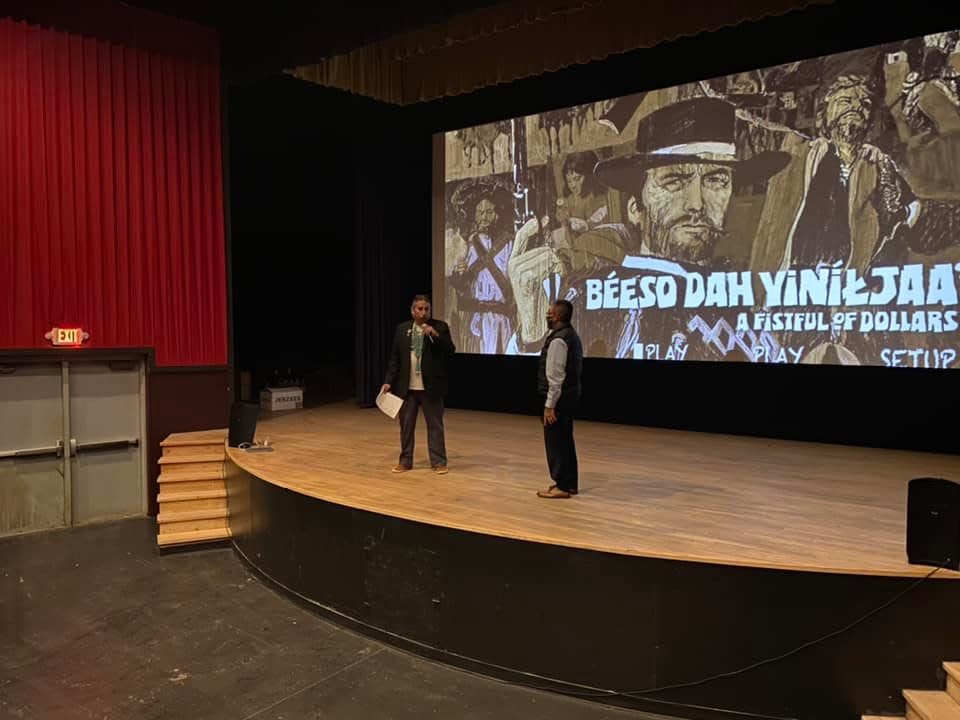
(285, 398)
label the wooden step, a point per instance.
(193, 495)
(172, 516)
(183, 464)
(172, 497)
(194, 504)
(190, 476)
(953, 680)
(209, 449)
(193, 486)
(175, 460)
(198, 437)
(882, 717)
(930, 705)
(179, 526)
(196, 536)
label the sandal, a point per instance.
(553, 492)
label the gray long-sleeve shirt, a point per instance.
(556, 371)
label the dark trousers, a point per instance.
(433, 414)
(561, 450)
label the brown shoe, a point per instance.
(440, 469)
(401, 469)
(553, 492)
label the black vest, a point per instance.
(570, 390)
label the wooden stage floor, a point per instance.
(643, 491)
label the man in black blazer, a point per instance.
(417, 372)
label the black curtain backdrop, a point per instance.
(375, 292)
(386, 191)
(391, 175)
(292, 196)
(331, 233)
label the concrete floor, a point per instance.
(95, 624)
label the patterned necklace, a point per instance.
(416, 344)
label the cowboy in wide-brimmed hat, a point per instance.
(700, 130)
(680, 178)
(678, 183)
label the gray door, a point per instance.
(105, 432)
(32, 485)
(71, 444)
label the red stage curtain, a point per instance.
(111, 196)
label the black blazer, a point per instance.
(433, 362)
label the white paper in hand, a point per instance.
(389, 404)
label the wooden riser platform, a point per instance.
(953, 680)
(685, 555)
(192, 497)
(648, 492)
(931, 704)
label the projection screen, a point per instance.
(803, 213)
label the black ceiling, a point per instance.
(257, 37)
(265, 37)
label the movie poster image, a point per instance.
(803, 213)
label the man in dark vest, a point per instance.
(561, 362)
(417, 372)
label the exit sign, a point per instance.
(67, 337)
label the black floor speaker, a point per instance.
(243, 423)
(933, 523)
